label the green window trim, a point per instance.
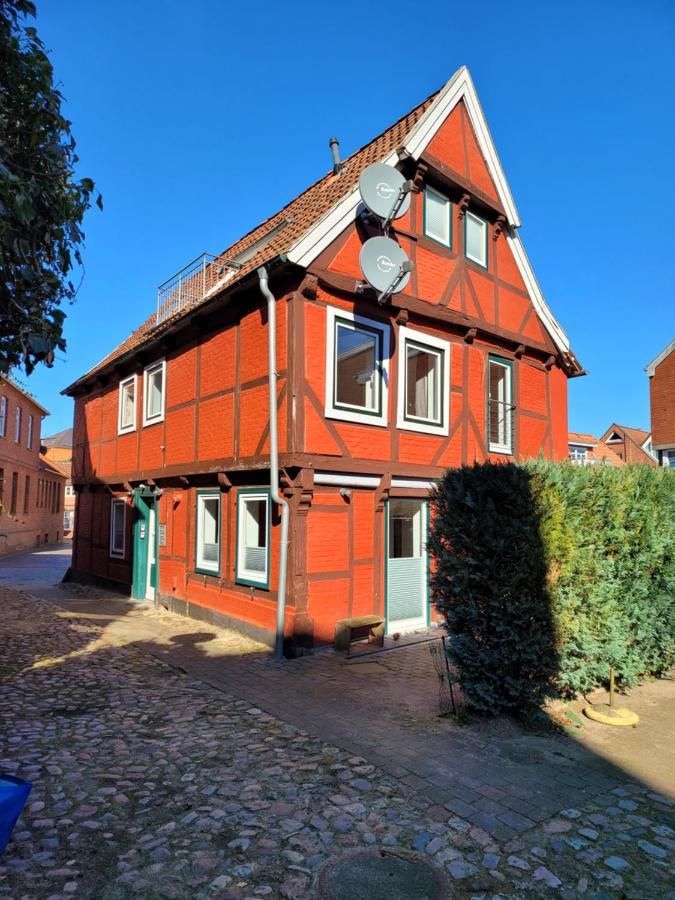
(437, 240)
(485, 265)
(379, 354)
(243, 579)
(214, 493)
(500, 449)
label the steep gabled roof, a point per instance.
(651, 368)
(636, 436)
(60, 439)
(318, 215)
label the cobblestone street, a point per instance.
(148, 781)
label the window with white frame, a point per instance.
(423, 378)
(207, 551)
(253, 537)
(500, 405)
(70, 490)
(17, 426)
(126, 420)
(29, 438)
(357, 363)
(3, 416)
(118, 521)
(578, 454)
(476, 239)
(154, 388)
(437, 217)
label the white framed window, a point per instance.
(437, 217)
(29, 438)
(17, 426)
(207, 546)
(500, 405)
(154, 391)
(423, 379)
(357, 368)
(70, 490)
(126, 413)
(578, 454)
(253, 537)
(118, 528)
(3, 416)
(476, 239)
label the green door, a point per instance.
(145, 547)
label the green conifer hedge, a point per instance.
(548, 573)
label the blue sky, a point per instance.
(198, 120)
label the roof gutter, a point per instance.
(274, 459)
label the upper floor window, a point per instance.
(476, 239)
(500, 405)
(118, 522)
(207, 551)
(253, 537)
(17, 426)
(578, 454)
(29, 438)
(437, 217)
(3, 416)
(154, 386)
(126, 418)
(423, 377)
(357, 363)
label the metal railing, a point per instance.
(191, 284)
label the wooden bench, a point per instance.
(344, 628)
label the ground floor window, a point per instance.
(207, 551)
(578, 454)
(253, 536)
(118, 520)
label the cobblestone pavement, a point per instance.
(151, 782)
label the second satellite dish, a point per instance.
(382, 187)
(384, 265)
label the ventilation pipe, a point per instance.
(334, 145)
(274, 459)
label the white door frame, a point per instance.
(422, 621)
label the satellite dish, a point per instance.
(385, 191)
(385, 266)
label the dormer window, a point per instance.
(476, 239)
(437, 217)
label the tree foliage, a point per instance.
(42, 204)
(547, 574)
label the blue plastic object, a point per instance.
(13, 795)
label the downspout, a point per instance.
(274, 459)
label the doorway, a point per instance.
(145, 547)
(407, 593)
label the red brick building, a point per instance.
(31, 489)
(632, 445)
(586, 450)
(171, 450)
(661, 372)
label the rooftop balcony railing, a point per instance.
(192, 284)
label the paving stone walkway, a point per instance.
(170, 759)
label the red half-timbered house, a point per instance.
(171, 454)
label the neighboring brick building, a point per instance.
(31, 490)
(632, 445)
(587, 450)
(661, 372)
(58, 450)
(171, 451)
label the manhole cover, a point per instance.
(380, 875)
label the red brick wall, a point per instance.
(662, 402)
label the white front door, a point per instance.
(407, 600)
(149, 589)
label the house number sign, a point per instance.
(162, 534)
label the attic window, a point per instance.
(614, 438)
(253, 248)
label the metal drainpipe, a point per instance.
(274, 458)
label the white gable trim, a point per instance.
(315, 240)
(653, 365)
(461, 87)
